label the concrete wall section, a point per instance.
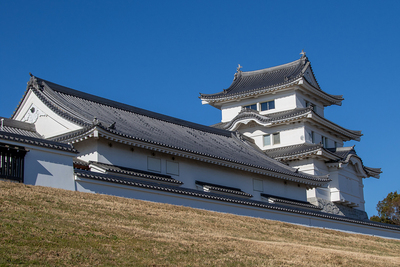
(49, 168)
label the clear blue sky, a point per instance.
(159, 55)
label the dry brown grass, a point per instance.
(45, 226)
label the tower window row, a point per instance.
(271, 139)
(262, 106)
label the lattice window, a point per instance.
(12, 162)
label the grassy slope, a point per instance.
(46, 226)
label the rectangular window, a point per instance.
(312, 137)
(267, 140)
(172, 167)
(268, 105)
(254, 106)
(276, 138)
(153, 164)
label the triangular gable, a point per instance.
(309, 77)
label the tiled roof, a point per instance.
(288, 201)
(254, 81)
(345, 153)
(36, 141)
(223, 198)
(339, 154)
(18, 127)
(153, 128)
(25, 133)
(270, 118)
(224, 189)
(134, 172)
(285, 117)
(287, 151)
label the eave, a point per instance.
(301, 115)
(98, 131)
(319, 153)
(362, 171)
(217, 102)
(299, 84)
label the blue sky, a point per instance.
(159, 55)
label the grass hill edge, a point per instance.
(46, 226)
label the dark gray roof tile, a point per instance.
(24, 139)
(154, 128)
(135, 173)
(254, 81)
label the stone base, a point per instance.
(339, 209)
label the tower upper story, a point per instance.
(280, 88)
(280, 106)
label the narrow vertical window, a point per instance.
(312, 137)
(267, 140)
(276, 138)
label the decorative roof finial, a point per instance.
(238, 72)
(95, 121)
(303, 54)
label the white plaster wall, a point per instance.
(301, 103)
(290, 134)
(87, 150)
(229, 111)
(351, 186)
(304, 165)
(283, 101)
(49, 168)
(47, 123)
(318, 133)
(189, 170)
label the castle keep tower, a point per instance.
(282, 109)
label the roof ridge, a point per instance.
(133, 109)
(270, 69)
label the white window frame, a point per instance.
(272, 139)
(248, 106)
(268, 108)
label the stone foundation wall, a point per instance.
(339, 209)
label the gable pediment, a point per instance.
(310, 78)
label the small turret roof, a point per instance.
(25, 133)
(331, 155)
(260, 81)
